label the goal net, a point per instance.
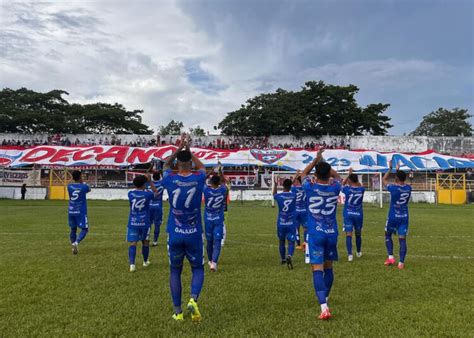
(372, 181)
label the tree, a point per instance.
(172, 128)
(317, 109)
(198, 131)
(27, 111)
(445, 122)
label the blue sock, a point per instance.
(175, 287)
(389, 244)
(209, 246)
(282, 250)
(328, 280)
(358, 242)
(319, 286)
(291, 248)
(72, 235)
(132, 252)
(82, 234)
(216, 250)
(156, 234)
(145, 252)
(197, 281)
(349, 244)
(403, 249)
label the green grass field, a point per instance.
(47, 291)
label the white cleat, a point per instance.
(359, 254)
(213, 267)
(147, 263)
(74, 248)
(132, 268)
(155, 243)
(350, 258)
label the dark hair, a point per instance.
(298, 178)
(323, 170)
(215, 180)
(139, 181)
(353, 178)
(156, 175)
(184, 156)
(401, 175)
(287, 183)
(76, 175)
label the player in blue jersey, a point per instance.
(156, 207)
(397, 222)
(214, 200)
(353, 212)
(286, 223)
(77, 211)
(185, 225)
(138, 228)
(321, 249)
(301, 214)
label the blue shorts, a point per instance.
(286, 233)
(214, 229)
(78, 221)
(321, 248)
(138, 234)
(397, 225)
(301, 219)
(190, 246)
(351, 223)
(156, 216)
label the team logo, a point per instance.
(6, 160)
(268, 156)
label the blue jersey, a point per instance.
(77, 198)
(139, 206)
(300, 198)
(157, 201)
(321, 204)
(185, 193)
(286, 209)
(399, 198)
(353, 203)
(214, 200)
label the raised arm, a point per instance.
(344, 182)
(387, 174)
(169, 161)
(275, 186)
(152, 184)
(334, 174)
(310, 166)
(197, 163)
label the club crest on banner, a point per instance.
(268, 156)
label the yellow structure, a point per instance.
(451, 188)
(58, 180)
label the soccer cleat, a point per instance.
(289, 263)
(359, 254)
(147, 263)
(194, 310)
(325, 314)
(179, 317)
(389, 261)
(401, 266)
(155, 243)
(213, 267)
(74, 249)
(350, 258)
(283, 261)
(132, 268)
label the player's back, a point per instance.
(157, 200)
(353, 201)
(139, 201)
(399, 198)
(77, 198)
(185, 193)
(286, 208)
(321, 204)
(214, 199)
(300, 198)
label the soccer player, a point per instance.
(156, 207)
(138, 228)
(214, 200)
(77, 210)
(301, 215)
(353, 213)
(185, 225)
(286, 226)
(397, 221)
(321, 249)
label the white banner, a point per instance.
(19, 177)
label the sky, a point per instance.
(195, 61)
